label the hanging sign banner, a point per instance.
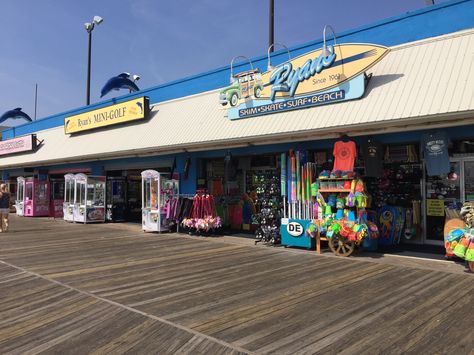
(17, 145)
(131, 110)
(308, 80)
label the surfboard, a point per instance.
(352, 59)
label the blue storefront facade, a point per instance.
(194, 161)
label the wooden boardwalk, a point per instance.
(78, 289)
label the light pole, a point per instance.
(97, 20)
(271, 24)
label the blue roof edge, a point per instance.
(11, 132)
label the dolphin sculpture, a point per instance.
(15, 113)
(121, 81)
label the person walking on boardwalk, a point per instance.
(4, 207)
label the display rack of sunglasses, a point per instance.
(268, 205)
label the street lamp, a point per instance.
(97, 20)
(232, 66)
(325, 52)
(269, 62)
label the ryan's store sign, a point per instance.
(18, 145)
(131, 110)
(305, 81)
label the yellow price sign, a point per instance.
(435, 208)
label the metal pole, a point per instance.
(36, 98)
(271, 24)
(88, 95)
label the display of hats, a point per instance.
(325, 174)
(348, 174)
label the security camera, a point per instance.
(136, 77)
(98, 20)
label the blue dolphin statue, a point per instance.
(121, 81)
(15, 113)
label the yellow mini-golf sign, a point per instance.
(127, 111)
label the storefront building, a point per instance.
(414, 92)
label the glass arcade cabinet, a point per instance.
(68, 204)
(89, 198)
(20, 195)
(57, 198)
(156, 191)
(116, 199)
(36, 202)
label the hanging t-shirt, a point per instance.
(344, 155)
(372, 151)
(435, 152)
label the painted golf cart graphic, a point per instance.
(245, 84)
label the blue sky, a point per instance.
(45, 41)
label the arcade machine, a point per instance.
(20, 195)
(116, 199)
(68, 204)
(36, 202)
(156, 191)
(89, 198)
(57, 198)
(134, 198)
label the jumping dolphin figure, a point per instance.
(139, 104)
(121, 81)
(15, 113)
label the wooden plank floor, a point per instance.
(69, 288)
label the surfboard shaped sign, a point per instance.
(305, 81)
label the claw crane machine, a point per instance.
(68, 204)
(89, 198)
(20, 196)
(156, 191)
(33, 197)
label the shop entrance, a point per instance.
(240, 186)
(450, 189)
(123, 196)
